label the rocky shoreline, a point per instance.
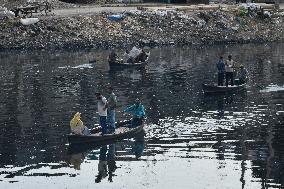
(143, 27)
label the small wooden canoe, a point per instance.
(124, 131)
(79, 148)
(117, 65)
(114, 65)
(222, 89)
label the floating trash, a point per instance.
(272, 88)
(88, 66)
(83, 66)
(29, 21)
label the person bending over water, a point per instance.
(137, 111)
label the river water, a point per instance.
(190, 140)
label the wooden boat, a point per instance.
(114, 65)
(222, 89)
(124, 130)
(79, 148)
(119, 65)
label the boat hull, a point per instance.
(113, 65)
(83, 147)
(97, 138)
(222, 89)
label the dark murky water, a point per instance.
(190, 140)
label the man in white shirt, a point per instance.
(102, 109)
(229, 68)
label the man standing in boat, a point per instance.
(221, 70)
(102, 109)
(242, 75)
(229, 67)
(111, 105)
(138, 112)
(141, 57)
(112, 57)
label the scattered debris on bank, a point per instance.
(10, 4)
(148, 27)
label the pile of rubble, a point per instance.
(146, 27)
(16, 3)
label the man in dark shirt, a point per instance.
(221, 70)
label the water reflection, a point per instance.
(77, 158)
(139, 144)
(106, 155)
(107, 165)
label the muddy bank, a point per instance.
(149, 28)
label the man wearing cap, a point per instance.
(102, 109)
(138, 112)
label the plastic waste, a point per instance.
(165, 12)
(134, 52)
(201, 23)
(252, 6)
(115, 17)
(243, 11)
(4, 12)
(238, 19)
(267, 14)
(28, 21)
